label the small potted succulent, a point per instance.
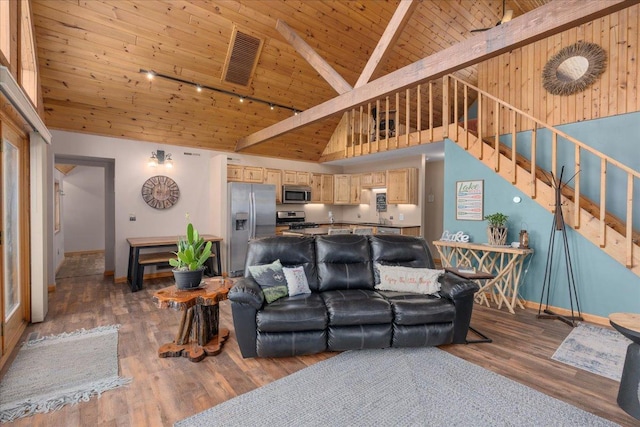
(497, 228)
(192, 253)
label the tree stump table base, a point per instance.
(192, 350)
(198, 335)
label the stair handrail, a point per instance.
(551, 128)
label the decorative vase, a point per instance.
(497, 235)
(188, 279)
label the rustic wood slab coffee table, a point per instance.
(198, 335)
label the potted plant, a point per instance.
(192, 253)
(497, 229)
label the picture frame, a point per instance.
(470, 200)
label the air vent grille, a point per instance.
(242, 58)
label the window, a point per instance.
(28, 71)
(56, 208)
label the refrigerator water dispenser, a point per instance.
(241, 222)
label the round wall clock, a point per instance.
(160, 192)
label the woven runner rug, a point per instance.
(394, 387)
(595, 349)
(54, 371)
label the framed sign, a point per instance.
(381, 202)
(469, 200)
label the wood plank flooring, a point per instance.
(167, 390)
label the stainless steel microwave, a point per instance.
(296, 194)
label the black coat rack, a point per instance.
(559, 225)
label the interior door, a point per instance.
(13, 238)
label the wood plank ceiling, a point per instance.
(91, 52)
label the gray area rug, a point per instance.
(54, 371)
(594, 349)
(394, 387)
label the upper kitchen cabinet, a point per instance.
(296, 178)
(342, 189)
(402, 186)
(274, 176)
(321, 188)
(374, 179)
(237, 173)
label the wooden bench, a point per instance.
(161, 258)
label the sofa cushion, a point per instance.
(271, 279)
(407, 251)
(356, 307)
(304, 312)
(292, 251)
(340, 338)
(416, 309)
(343, 262)
(408, 279)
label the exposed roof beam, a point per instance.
(388, 39)
(311, 56)
(552, 18)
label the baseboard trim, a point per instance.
(109, 273)
(75, 253)
(592, 318)
(51, 288)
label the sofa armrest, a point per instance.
(247, 291)
(455, 287)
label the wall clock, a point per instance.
(160, 192)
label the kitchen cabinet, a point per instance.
(327, 189)
(402, 186)
(355, 192)
(410, 231)
(321, 188)
(235, 173)
(342, 189)
(253, 174)
(296, 178)
(374, 179)
(238, 173)
(274, 176)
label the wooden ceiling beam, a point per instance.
(540, 23)
(388, 39)
(323, 68)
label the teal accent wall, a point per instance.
(603, 285)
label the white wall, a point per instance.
(433, 209)
(58, 237)
(200, 175)
(84, 214)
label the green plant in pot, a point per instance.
(497, 228)
(192, 253)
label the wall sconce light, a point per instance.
(160, 158)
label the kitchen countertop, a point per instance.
(367, 224)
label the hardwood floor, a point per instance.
(164, 391)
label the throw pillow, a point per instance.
(296, 280)
(271, 279)
(407, 279)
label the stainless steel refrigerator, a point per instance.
(252, 214)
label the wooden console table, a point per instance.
(504, 263)
(135, 271)
(198, 334)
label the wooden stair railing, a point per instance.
(463, 135)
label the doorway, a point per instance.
(85, 230)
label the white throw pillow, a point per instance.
(296, 280)
(407, 279)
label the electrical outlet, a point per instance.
(132, 217)
(391, 217)
(401, 217)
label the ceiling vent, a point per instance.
(242, 58)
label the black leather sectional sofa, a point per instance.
(344, 311)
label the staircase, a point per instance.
(419, 120)
(615, 236)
